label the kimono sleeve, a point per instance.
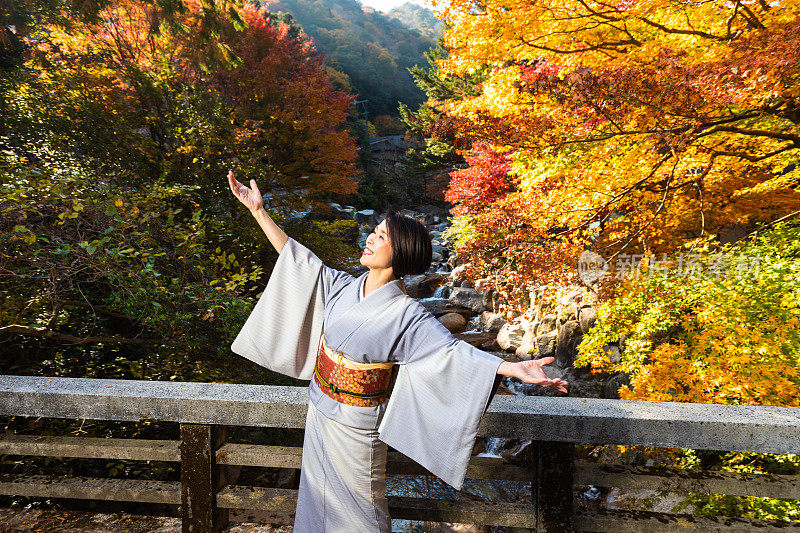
(284, 329)
(442, 390)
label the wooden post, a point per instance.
(552, 486)
(201, 478)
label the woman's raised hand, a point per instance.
(531, 372)
(249, 196)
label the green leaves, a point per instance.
(26, 234)
(731, 338)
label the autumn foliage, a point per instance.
(484, 181)
(285, 120)
(288, 110)
(725, 331)
(634, 126)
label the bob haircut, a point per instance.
(411, 245)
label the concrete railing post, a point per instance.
(552, 486)
(201, 478)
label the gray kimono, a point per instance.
(442, 389)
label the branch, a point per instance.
(756, 159)
(613, 45)
(618, 196)
(99, 310)
(729, 22)
(603, 14)
(754, 133)
(682, 32)
(657, 211)
(680, 129)
(752, 18)
(16, 329)
(785, 217)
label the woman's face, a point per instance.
(378, 251)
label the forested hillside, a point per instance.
(418, 18)
(374, 50)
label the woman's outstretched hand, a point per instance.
(531, 372)
(249, 196)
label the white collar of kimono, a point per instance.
(393, 288)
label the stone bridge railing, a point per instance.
(204, 410)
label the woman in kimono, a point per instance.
(383, 370)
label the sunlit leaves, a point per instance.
(635, 127)
(710, 338)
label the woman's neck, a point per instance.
(377, 278)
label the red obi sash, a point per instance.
(352, 383)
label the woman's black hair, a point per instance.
(411, 244)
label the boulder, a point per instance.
(572, 298)
(587, 316)
(611, 387)
(510, 337)
(492, 322)
(583, 384)
(478, 339)
(528, 348)
(296, 214)
(413, 286)
(565, 314)
(568, 305)
(348, 212)
(614, 353)
(474, 324)
(546, 344)
(491, 300)
(440, 306)
(469, 298)
(423, 285)
(458, 274)
(454, 322)
(444, 268)
(569, 336)
(433, 210)
(546, 324)
(467, 284)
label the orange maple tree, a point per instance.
(289, 112)
(484, 181)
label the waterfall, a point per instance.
(493, 447)
(442, 292)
